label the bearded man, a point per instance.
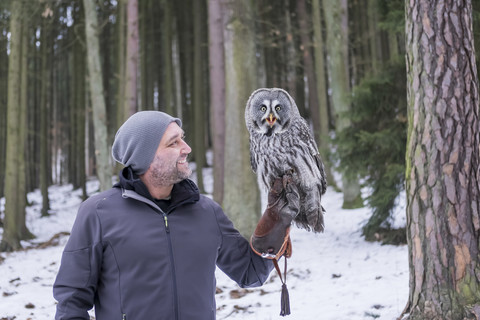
(148, 247)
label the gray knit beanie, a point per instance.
(137, 140)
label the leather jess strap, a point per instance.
(286, 252)
(285, 249)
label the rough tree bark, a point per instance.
(217, 94)
(121, 39)
(322, 88)
(3, 106)
(443, 158)
(303, 22)
(15, 192)
(46, 45)
(80, 110)
(241, 196)
(168, 77)
(144, 37)
(336, 13)
(102, 154)
(131, 60)
(199, 114)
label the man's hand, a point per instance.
(271, 237)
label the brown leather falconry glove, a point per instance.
(271, 237)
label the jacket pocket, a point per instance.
(75, 268)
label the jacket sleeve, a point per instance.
(237, 259)
(77, 278)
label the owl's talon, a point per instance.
(287, 178)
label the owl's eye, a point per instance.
(263, 108)
(278, 108)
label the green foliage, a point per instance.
(392, 15)
(373, 146)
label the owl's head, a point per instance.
(270, 111)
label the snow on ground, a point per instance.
(335, 275)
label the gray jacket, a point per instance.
(132, 260)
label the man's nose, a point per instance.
(186, 148)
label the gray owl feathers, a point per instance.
(281, 142)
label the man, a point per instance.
(147, 248)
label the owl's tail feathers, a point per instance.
(311, 220)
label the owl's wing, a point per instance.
(253, 163)
(311, 212)
(312, 145)
(321, 167)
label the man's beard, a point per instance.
(162, 176)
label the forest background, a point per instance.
(390, 89)
(71, 72)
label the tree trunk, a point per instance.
(3, 106)
(102, 154)
(336, 22)
(358, 44)
(308, 67)
(121, 62)
(198, 108)
(377, 57)
(177, 70)
(71, 98)
(32, 115)
(217, 94)
(291, 55)
(273, 58)
(3, 139)
(131, 59)
(106, 35)
(185, 40)
(322, 88)
(157, 43)
(22, 135)
(241, 194)
(144, 26)
(443, 162)
(80, 106)
(46, 43)
(79, 124)
(167, 67)
(15, 192)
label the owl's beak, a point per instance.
(271, 120)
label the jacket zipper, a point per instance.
(174, 276)
(124, 316)
(132, 194)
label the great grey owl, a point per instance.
(280, 143)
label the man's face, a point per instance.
(170, 165)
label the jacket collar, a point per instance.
(132, 187)
(133, 195)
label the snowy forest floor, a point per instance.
(334, 275)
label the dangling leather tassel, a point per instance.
(285, 298)
(285, 302)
